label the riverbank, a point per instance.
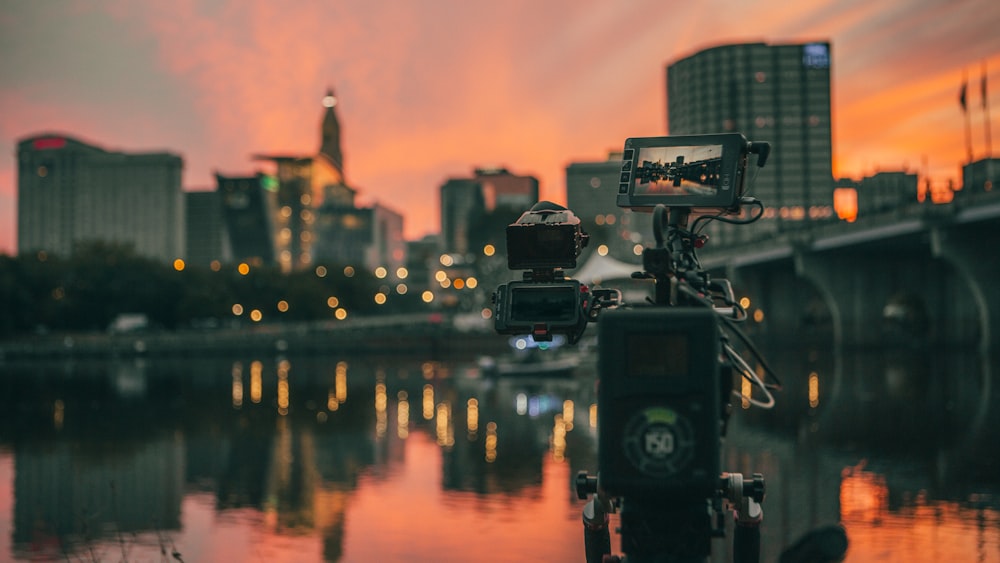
(399, 335)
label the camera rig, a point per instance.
(543, 241)
(666, 368)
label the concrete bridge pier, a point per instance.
(969, 252)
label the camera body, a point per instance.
(659, 402)
(544, 240)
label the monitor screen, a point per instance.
(694, 171)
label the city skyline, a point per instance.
(217, 82)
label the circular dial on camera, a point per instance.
(659, 441)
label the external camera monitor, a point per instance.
(523, 307)
(694, 171)
(555, 304)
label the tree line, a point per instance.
(99, 281)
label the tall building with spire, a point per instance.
(330, 133)
(307, 210)
(304, 184)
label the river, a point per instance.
(360, 458)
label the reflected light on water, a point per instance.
(237, 391)
(403, 415)
(340, 382)
(472, 417)
(428, 402)
(445, 431)
(813, 390)
(58, 414)
(745, 391)
(283, 391)
(521, 404)
(915, 528)
(567, 414)
(256, 383)
(491, 441)
(559, 428)
(381, 404)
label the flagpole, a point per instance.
(986, 115)
(965, 111)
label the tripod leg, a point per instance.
(746, 535)
(596, 536)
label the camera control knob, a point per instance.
(585, 484)
(754, 488)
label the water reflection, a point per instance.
(334, 459)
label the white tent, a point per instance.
(600, 269)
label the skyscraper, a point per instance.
(207, 240)
(70, 191)
(462, 210)
(247, 205)
(476, 211)
(774, 93)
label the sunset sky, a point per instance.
(430, 89)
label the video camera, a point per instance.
(544, 240)
(666, 370)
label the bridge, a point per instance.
(917, 275)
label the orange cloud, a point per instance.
(430, 91)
